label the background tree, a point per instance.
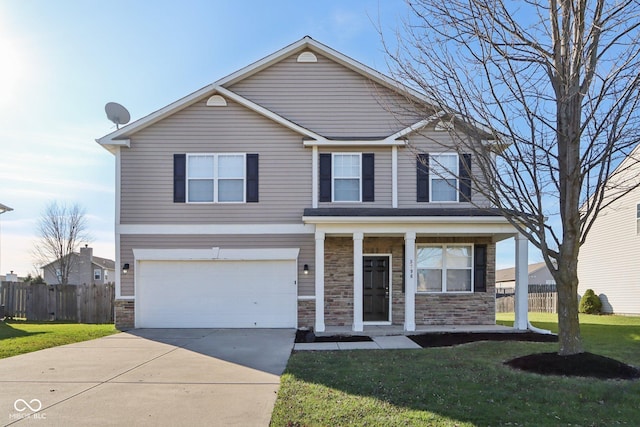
(557, 82)
(61, 229)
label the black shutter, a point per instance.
(422, 167)
(179, 178)
(325, 177)
(252, 178)
(465, 177)
(368, 177)
(480, 268)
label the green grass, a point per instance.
(467, 385)
(18, 337)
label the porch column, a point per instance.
(522, 283)
(319, 274)
(357, 281)
(409, 281)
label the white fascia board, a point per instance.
(214, 229)
(434, 229)
(265, 112)
(323, 142)
(417, 126)
(216, 254)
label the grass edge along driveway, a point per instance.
(19, 337)
(467, 385)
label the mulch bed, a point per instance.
(579, 365)
(304, 336)
(456, 338)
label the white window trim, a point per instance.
(454, 175)
(216, 179)
(444, 246)
(333, 178)
(97, 270)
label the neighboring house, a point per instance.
(608, 260)
(85, 269)
(288, 194)
(538, 274)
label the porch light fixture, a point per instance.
(305, 269)
(125, 268)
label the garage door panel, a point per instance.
(223, 294)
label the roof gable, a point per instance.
(121, 137)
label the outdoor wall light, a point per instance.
(305, 269)
(125, 268)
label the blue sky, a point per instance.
(63, 60)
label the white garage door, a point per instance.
(216, 294)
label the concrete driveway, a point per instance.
(149, 377)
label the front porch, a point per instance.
(406, 294)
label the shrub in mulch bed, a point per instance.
(455, 338)
(307, 336)
(578, 365)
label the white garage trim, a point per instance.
(216, 254)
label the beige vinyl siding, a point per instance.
(428, 141)
(383, 188)
(327, 98)
(609, 260)
(147, 167)
(306, 243)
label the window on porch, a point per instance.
(445, 268)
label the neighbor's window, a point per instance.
(215, 178)
(97, 274)
(638, 218)
(443, 170)
(347, 175)
(445, 268)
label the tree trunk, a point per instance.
(568, 323)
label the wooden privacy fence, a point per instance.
(69, 303)
(542, 299)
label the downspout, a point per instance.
(538, 330)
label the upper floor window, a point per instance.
(445, 268)
(97, 274)
(443, 177)
(215, 178)
(346, 177)
(444, 184)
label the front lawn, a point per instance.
(18, 337)
(467, 385)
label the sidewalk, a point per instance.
(378, 343)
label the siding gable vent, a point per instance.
(216, 101)
(307, 57)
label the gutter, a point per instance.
(538, 330)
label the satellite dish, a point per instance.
(117, 114)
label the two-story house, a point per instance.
(297, 192)
(608, 261)
(85, 269)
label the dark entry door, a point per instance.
(375, 281)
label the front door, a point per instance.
(375, 281)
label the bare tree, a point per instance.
(557, 84)
(61, 229)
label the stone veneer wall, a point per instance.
(306, 313)
(124, 313)
(460, 309)
(338, 281)
(431, 309)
